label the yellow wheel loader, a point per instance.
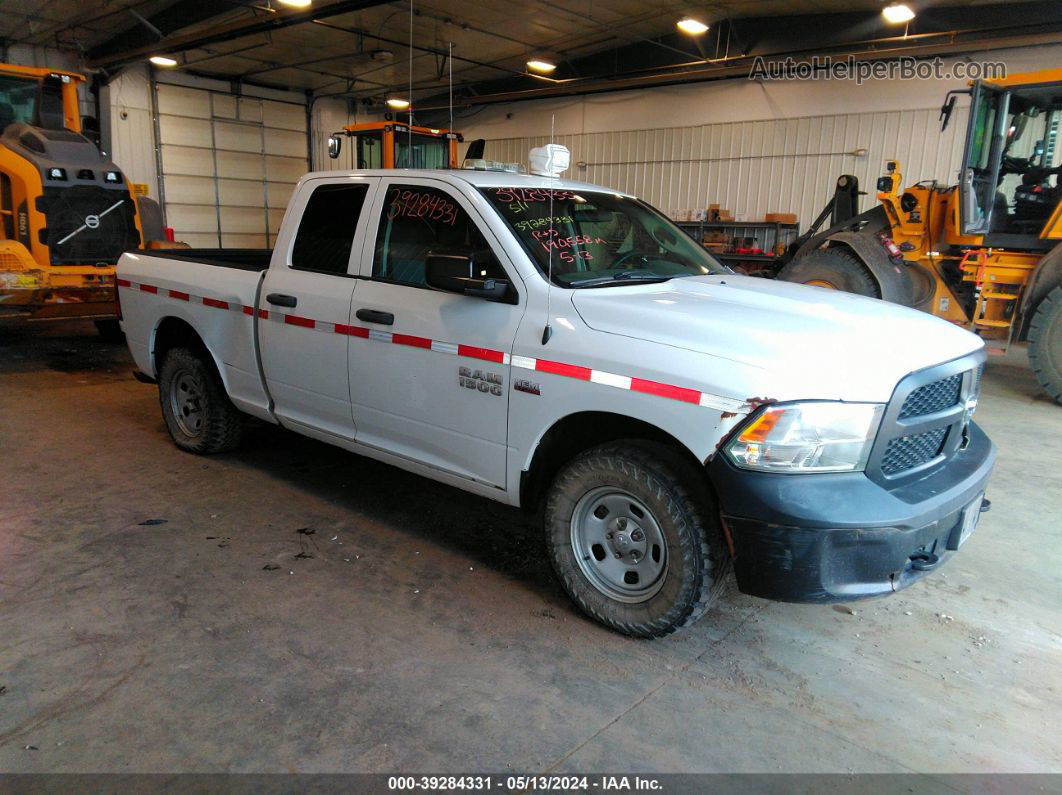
(66, 211)
(986, 253)
(395, 145)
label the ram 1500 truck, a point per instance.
(564, 347)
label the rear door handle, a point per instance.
(279, 299)
(376, 316)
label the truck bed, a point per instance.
(245, 259)
(215, 292)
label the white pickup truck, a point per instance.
(565, 348)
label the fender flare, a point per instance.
(859, 234)
(894, 281)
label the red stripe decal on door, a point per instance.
(665, 390)
(295, 320)
(559, 368)
(644, 386)
(485, 354)
(413, 342)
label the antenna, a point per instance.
(409, 127)
(450, 64)
(547, 332)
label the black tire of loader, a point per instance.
(110, 331)
(838, 266)
(1045, 343)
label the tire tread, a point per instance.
(1048, 371)
(224, 422)
(650, 463)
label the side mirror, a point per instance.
(335, 146)
(949, 106)
(452, 272)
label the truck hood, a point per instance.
(810, 342)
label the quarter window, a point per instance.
(326, 231)
(417, 221)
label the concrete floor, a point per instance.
(163, 612)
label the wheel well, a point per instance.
(578, 432)
(176, 333)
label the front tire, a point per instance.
(1045, 343)
(835, 268)
(634, 539)
(199, 415)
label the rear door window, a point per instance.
(326, 230)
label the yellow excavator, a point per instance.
(985, 253)
(66, 211)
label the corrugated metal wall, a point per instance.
(756, 167)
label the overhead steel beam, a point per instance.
(271, 20)
(740, 66)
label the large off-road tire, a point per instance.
(1045, 343)
(634, 538)
(110, 331)
(835, 268)
(199, 415)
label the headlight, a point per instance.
(808, 437)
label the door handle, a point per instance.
(375, 316)
(279, 299)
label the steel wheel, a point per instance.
(618, 545)
(186, 402)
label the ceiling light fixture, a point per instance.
(397, 103)
(692, 26)
(540, 65)
(163, 60)
(897, 13)
(296, 3)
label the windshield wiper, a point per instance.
(622, 276)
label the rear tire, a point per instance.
(1045, 343)
(110, 331)
(199, 415)
(837, 268)
(634, 539)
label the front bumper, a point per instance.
(839, 537)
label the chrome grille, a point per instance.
(911, 451)
(932, 397)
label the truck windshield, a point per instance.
(593, 239)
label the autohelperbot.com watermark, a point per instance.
(825, 67)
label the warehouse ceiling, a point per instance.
(360, 48)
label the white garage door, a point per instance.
(228, 164)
